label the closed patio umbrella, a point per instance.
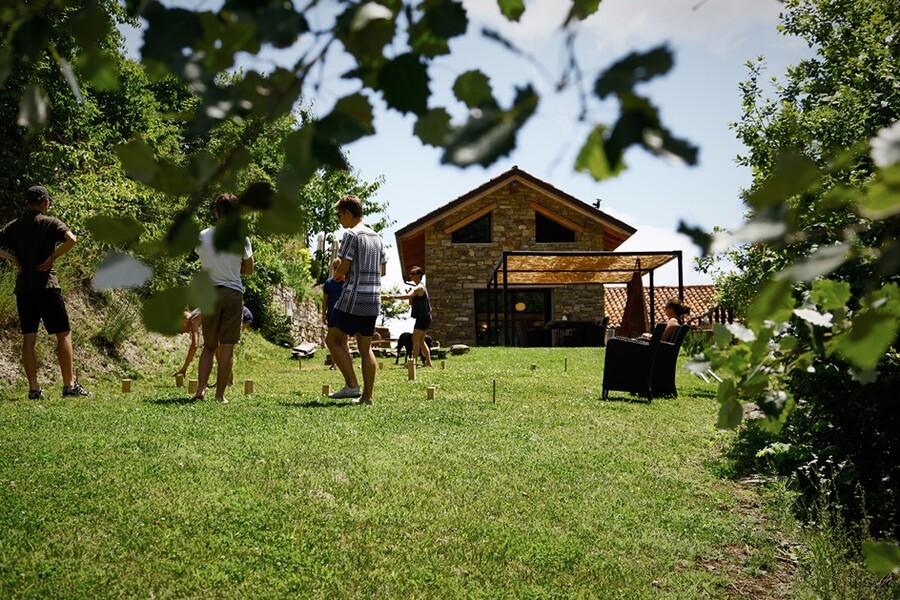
(634, 319)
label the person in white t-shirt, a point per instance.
(222, 327)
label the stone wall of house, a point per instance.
(455, 271)
(305, 314)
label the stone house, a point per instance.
(459, 243)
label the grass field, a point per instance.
(545, 492)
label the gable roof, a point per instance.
(410, 238)
(700, 298)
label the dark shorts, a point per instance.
(353, 324)
(223, 326)
(423, 323)
(43, 305)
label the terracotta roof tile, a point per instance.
(700, 298)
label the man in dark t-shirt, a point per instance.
(32, 243)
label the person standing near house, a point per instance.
(361, 268)
(222, 328)
(34, 241)
(421, 312)
(331, 291)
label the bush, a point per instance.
(9, 315)
(696, 342)
(840, 442)
(117, 326)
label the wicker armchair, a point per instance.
(529, 337)
(628, 366)
(663, 380)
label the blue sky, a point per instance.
(697, 100)
(712, 40)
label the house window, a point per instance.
(476, 232)
(547, 230)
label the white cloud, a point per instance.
(650, 238)
(619, 25)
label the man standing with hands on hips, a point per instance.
(35, 241)
(362, 265)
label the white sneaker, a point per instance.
(346, 392)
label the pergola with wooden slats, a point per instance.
(533, 268)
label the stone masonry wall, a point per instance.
(306, 315)
(455, 271)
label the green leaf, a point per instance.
(663, 144)
(823, 261)
(592, 156)
(164, 311)
(230, 234)
(446, 18)
(30, 39)
(882, 199)
(792, 174)
(280, 25)
(882, 558)
(830, 294)
(721, 335)
(257, 196)
(183, 235)
(114, 230)
(100, 67)
(283, 218)
(637, 67)
(698, 235)
(365, 29)
(89, 25)
(490, 134)
(33, 107)
(512, 9)
(582, 9)
(814, 317)
(120, 271)
(433, 127)
(350, 120)
(138, 160)
(201, 292)
(788, 343)
(474, 89)
(731, 413)
(871, 333)
(773, 303)
(6, 62)
(404, 84)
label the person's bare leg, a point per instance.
(369, 367)
(66, 357)
(203, 371)
(419, 345)
(29, 360)
(339, 346)
(226, 359)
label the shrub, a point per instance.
(842, 443)
(9, 316)
(117, 326)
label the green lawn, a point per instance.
(547, 492)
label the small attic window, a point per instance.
(547, 230)
(476, 232)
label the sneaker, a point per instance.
(361, 401)
(346, 392)
(75, 390)
(37, 394)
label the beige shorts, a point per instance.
(223, 326)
